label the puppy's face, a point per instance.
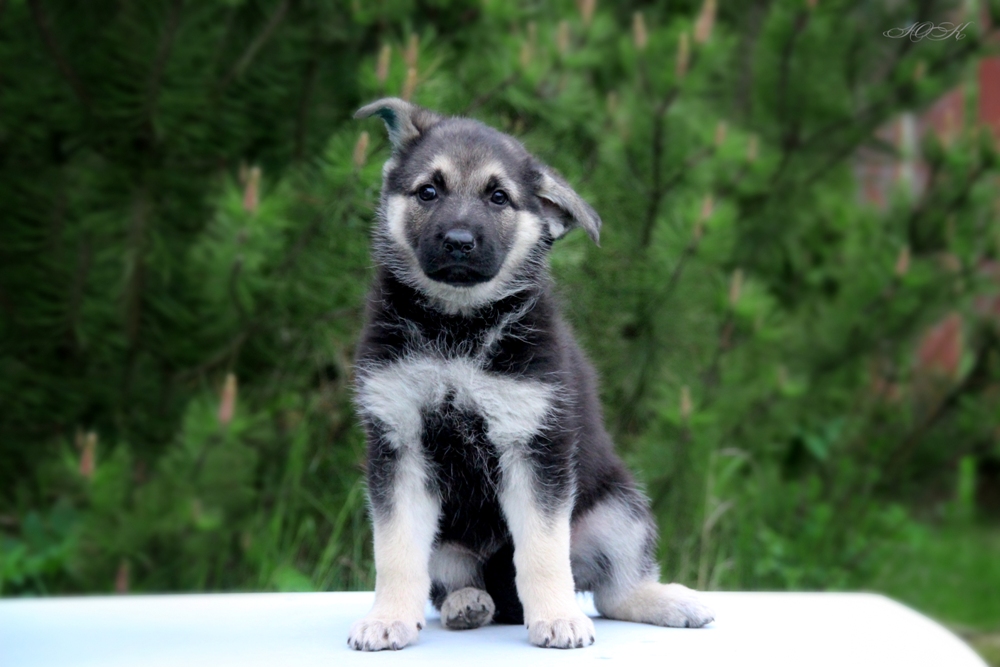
(461, 201)
(467, 213)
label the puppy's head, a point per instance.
(467, 214)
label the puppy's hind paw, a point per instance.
(677, 606)
(684, 608)
(467, 608)
(376, 634)
(670, 605)
(572, 632)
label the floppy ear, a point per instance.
(404, 121)
(562, 208)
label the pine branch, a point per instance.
(744, 86)
(226, 352)
(976, 379)
(790, 139)
(135, 266)
(256, 45)
(78, 287)
(950, 206)
(710, 376)
(159, 65)
(675, 275)
(664, 189)
(869, 118)
(226, 30)
(490, 94)
(41, 20)
(785, 64)
(234, 296)
(656, 190)
(6, 304)
(302, 116)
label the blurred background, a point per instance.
(794, 309)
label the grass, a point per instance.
(987, 644)
(953, 575)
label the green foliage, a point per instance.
(186, 197)
(954, 573)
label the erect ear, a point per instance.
(562, 208)
(404, 121)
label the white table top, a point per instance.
(774, 629)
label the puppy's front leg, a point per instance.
(405, 518)
(541, 557)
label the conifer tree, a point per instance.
(184, 257)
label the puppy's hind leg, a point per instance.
(613, 547)
(671, 605)
(458, 589)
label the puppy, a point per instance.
(494, 487)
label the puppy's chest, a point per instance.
(422, 397)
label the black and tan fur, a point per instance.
(494, 487)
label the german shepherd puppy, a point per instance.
(494, 487)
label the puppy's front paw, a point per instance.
(572, 631)
(467, 608)
(374, 633)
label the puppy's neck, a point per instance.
(402, 300)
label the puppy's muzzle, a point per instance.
(459, 244)
(459, 255)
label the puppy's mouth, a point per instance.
(459, 275)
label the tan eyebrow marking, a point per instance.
(491, 175)
(442, 167)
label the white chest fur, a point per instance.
(398, 394)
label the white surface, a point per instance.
(774, 629)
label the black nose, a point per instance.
(459, 242)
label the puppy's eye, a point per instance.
(499, 197)
(427, 193)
